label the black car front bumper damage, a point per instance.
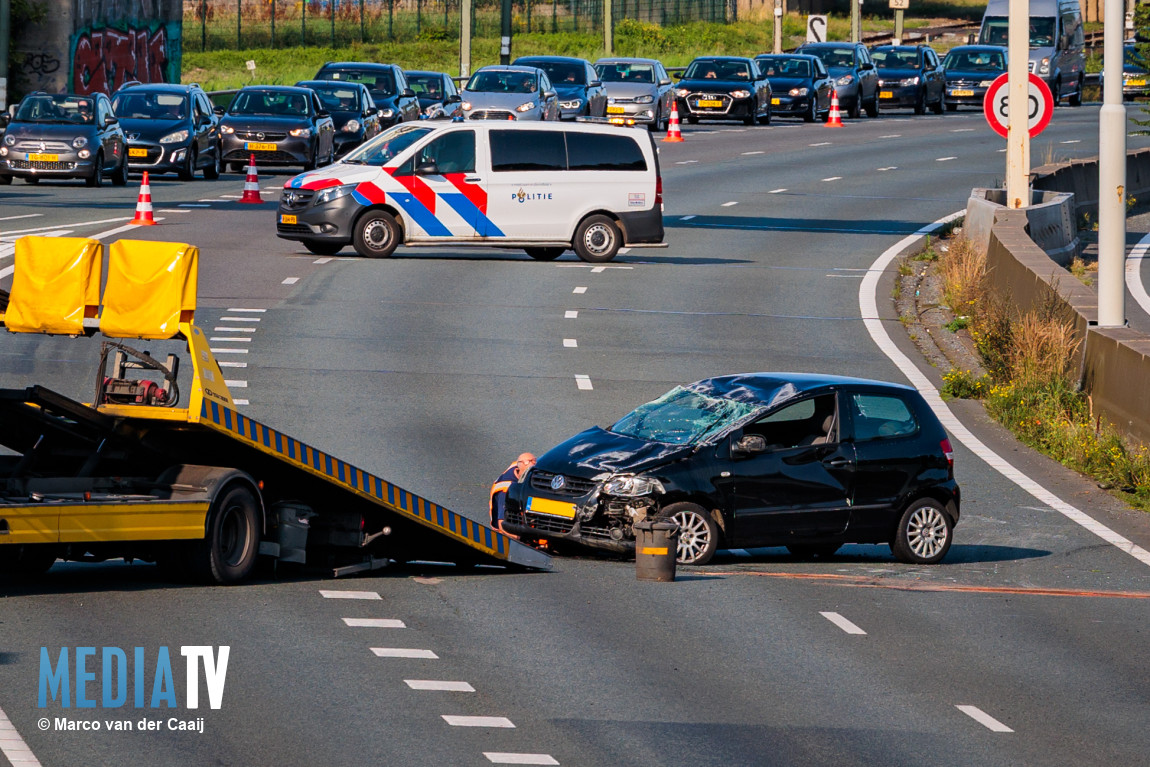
(600, 522)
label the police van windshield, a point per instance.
(681, 417)
(388, 145)
(994, 31)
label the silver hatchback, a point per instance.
(639, 89)
(509, 93)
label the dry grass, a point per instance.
(1043, 349)
(963, 276)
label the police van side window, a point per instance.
(527, 150)
(451, 153)
(598, 151)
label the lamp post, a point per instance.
(1112, 175)
(1018, 105)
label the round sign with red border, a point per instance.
(994, 105)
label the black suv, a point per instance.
(170, 129)
(386, 83)
(765, 459)
(64, 136)
(910, 76)
(856, 80)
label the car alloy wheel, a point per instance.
(924, 533)
(698, 533)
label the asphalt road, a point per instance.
(436, 367)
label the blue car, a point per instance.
(581, 93)
(970, 70)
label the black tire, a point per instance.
(1057, 90)
(657, 123)
(924, 533)
(311, 164)
(872, 108)
(376, 234)
(26, 560)
(1076, 99)
(321, 248)
(97, 177)
(238, 167)
(231, 543)
(855, 110)
(812, 114)
(692, 120)
(545, 254)
(188, 171)
(952, 107)
(31, 179)
(5, 180)
(920, 102)
(120, 176)
(750, 120)
(212, 172)
(698, 533)
(597, 239)
(940, 105)
(765, 119)
(813, 550)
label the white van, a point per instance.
(543, 187)
(1057, 45)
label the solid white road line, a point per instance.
(235, 384)
(1134, 273)
(172, 210)
(583, 382)
(257, 311)
(375, 623)
(478, 721)
(231, 340)
(893, 135)
(868, 308)
(25, 215)
(290, 281)
(119, 230)
(335, 594)
(729, 204)
(889, 167)
(750, 153)
(962, 130)
(212, 200)
(232, 196)
(14, 748)
(570, 343)
(843, 623)
(228, 351)
(74, 225)
(403, 652)
(571, 314)
(580, 289)
(983, 718)
(438, 686)
(498, 757)
(821, 143)
(233, 330)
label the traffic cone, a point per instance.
(144, 205)
(252, 185)
(835, 118)
(673, 132)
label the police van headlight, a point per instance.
(631, 486)
(525, 107)
(799, 91)
(1044, 66)
(172, 138)
(740, 94)
(645, 100)
(351, 126)
(333, 193)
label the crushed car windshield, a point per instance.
(682, 417)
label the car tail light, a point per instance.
(947, 451)
(659, 192)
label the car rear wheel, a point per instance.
(924, 533)
(657, 123)
(97, 177)
(813, 550)
(765, 119)
(872, 108)
(120, 176)
(597, 239)
(212, 172)
(1076, 99)
(188, 171)
(545, 254)
(941, 105)
(698, 533)
(920, 103)
(321, 248)
(376, 235)
(812, 114)
(311, 163)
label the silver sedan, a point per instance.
(639, 89)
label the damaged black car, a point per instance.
(808, 462)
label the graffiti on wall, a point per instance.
(105, 58)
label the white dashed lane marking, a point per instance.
(570, 343)
(171, 210)
(236, 384)
(253, 311)
(290, 280)
(749, 153)
(239, 319)
(843, 623)
(729, 204)
(686, 162)
(375, 623)
(225, 364)
(580, 289)
(1073, 141)
(583, 382)
(219, 329)
(570, 314)
(323, 260)
(438, 686)
(962, 130)
(13, 746)
(822, 143)
(216, 350)
(598, 269)
(777, 191)
(893, 135)
(339, 594)
(496, 757)
(25, 215)
(945, 159)
(889, 167)
(478, 721)
(403, 652)
(983, 718)
(230, 340)
(193, 205)
(833, 178)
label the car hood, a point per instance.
(54, 131)
(151, 130)
(786, 83)
(894, 73)
(334, 175)
(629, 90)
(265, 122)
(958, 74)
(508, 101)
(570, 91)
(714, 86)
(340, 117)
(597, 451)
(840, 71)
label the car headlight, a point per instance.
(227, 129)
(526, 107)
(172, 138)
(301, 132)
(986, 83)
(631, 486)
(799, 91)
(908, 81)
(845, 80)
(3, 151)
(79, 142)
(333, 193)
(681, 92)
(1044, 66)
(645, 100)
(466, 106)
(351, 126)
(574, 104)
(9, 139)
(740, 94)
(84, 154)
(387, 114)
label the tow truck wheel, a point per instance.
(227, 554)
(698, 533)
(26, 560)
(376, 234)
(544, 254)
(597, 239)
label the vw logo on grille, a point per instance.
(558, 482)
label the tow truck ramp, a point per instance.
(198, 487)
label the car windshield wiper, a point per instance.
(355, 162)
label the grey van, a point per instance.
(1057, 45)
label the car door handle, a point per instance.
(472, 179)
(838, 462)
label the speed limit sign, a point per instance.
(996, 108)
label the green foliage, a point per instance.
(961, 384)
(957, 324)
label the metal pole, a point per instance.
(1018, 106)
(390, 19)
(273, 23)
(898, 26)
(239, 15)
(5, 34)
(778, 47)
(608, 29)
(465, 38)
(203, 25)
(554, 16)
(505, 33)
(1112, 175)
(856, 20)
(303, 23)
(331, 14)
(362, 27)
(418, 17)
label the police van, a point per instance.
(542, 187)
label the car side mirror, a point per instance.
(751, 444)
(218, 111)
(408, 93)
(427, 169)
(866, 67)
(594, 83)
(549, 94)
(111, 120)
(322, 114)
(664, 81)
(4, 120)
(452, 100)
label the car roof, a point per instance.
(175, 87)
(356, 65)
(520, 68)
(771, 388)
(719, 58)
(424, 72)
(328, 84)
(842, 44)
(898, 48)
(626, 60)
(276, 88)
(807, 56)
(965, 48)
(572, 59)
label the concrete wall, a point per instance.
(1080, 177)
(87, 46)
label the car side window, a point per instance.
(449, 86)
(811, 421)
(527, 150)
(102, 110)
(878, 416)
(544, 83)
(452, 153)
(400, 81)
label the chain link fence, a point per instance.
(211, 25)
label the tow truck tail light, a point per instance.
(948, 451)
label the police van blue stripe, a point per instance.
(484, 227)
(419, 213)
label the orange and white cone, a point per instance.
(252, 184)
(144, 205)
(673, 132)
(835, 117)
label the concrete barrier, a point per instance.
(1080, 178)
(1051, 221)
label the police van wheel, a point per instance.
(597, 239)
(227, 554)
(26, 560)
(376, 234)
(545, 254)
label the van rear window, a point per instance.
(568, 150)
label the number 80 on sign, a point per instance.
(996, 108)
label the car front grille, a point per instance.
(261, 157)
(294, 228)
(963, 83)
(620, 100)
(249, 135)
(491, 114)
(42, 147)
(573, 487)
(40, 165)
(296, 199)
(693, 100)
